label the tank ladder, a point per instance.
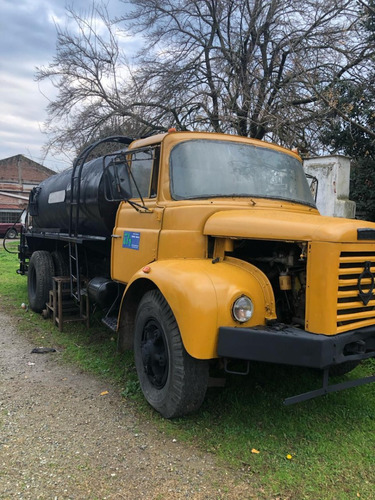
(75, 198)
(75, 278)
(76, 289)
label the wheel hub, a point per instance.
(154, 354)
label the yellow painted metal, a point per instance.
(288, 225)
(354, 270)
(321, 289)
(354, 281)
(178, 236)
(352, 312)
(324, 312)
(260, 277)
(345, 294)
(173, 138)
(222, 245)
(357, 316)
(201, 295)
(358, 324)
(126, 261)
(147, 141)
(185, 223)
(353, 305)
(354, 259)
(182, 235)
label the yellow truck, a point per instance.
(204, 246)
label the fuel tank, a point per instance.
(49, 203)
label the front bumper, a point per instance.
(292, 346)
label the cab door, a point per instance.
(138, 221)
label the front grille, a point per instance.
(355, 299)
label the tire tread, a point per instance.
(40, 273)
(188, 377)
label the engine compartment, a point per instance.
(284, 264)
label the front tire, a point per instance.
(39, 279)
(173, 382)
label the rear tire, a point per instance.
(60, 262)
(39, 279)
(173, 382)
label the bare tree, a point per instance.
(91, 75)
(259, 68)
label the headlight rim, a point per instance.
(235, 305)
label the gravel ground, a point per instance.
(61, 439)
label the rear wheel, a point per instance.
(39, 279)
(60, 262)
(172, 381)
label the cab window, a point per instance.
(144, 165)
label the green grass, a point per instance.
(331, 439)
(93, 349)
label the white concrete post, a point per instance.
(333, 174)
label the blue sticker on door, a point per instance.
(131, 240)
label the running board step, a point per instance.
(110, 322)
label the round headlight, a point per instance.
(243, 309)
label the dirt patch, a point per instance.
(60, 438)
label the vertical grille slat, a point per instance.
(354, 280)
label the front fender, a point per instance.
(201, 293)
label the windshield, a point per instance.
(209, 169)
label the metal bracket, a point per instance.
(233, 372)
(326, 388)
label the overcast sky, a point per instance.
(28, 40)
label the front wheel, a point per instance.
(173, 382)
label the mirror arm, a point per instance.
(138, 207)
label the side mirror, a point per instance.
(33, 200)
(313, 184)
(117, 180)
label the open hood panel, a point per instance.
(273, 225)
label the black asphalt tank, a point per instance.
(50, 202)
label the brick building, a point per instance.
(18, 175)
